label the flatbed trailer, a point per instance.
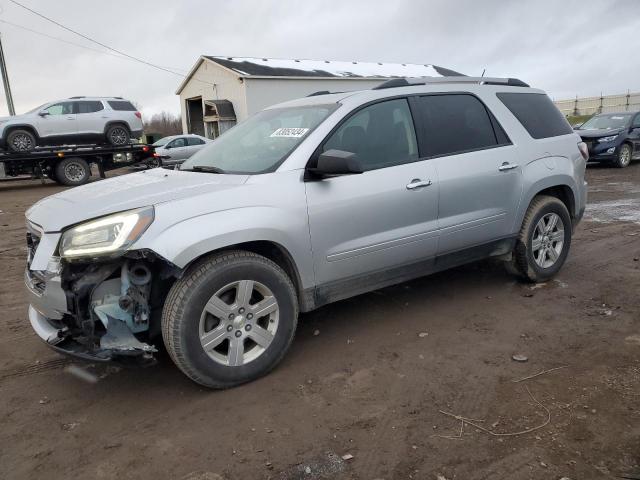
(71, 164)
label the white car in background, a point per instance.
(175, 149)
(76, 120)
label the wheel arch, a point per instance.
(112, 123)
(20, 126)
(273, 251)
(563, 190)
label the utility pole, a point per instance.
(5, 81)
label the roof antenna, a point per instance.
(484, 70)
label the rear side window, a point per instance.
(456, 123)
(537, 114)
(122, 105)
(89, 106)
(381, 135)
(194, 141)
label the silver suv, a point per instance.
(305, 203)
(76, 120)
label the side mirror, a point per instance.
(43, 113)
(336, 162)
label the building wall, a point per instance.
(227, 86)
(263, 92)
(629, 102)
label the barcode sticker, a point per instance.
(290, 132)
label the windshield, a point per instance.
(162, 142)
(606, 122)
(261, 143)
(34, 110)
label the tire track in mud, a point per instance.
(42, 367)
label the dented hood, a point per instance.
(125, 192)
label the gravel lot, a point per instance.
(367, 377)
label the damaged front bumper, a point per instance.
(97, 312)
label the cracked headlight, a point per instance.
(610, 138)
(106, 236)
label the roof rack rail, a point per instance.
(410, 82)
(80, 96)
(322, 92)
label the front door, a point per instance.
(634, 135)
(479, 173)
(177, 150)
(366, 228)
(58, 119)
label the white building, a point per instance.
(220, 91)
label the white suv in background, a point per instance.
(76, 120)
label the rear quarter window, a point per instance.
(122, 105)
(537, 114)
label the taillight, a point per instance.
(145, 148)
(139, 115)
(155, 155)
(584, 150)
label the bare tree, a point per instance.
(164, 123)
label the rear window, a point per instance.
(122, 105)
(537, 114)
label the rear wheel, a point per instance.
(230, 319)
(72, 172)
(544, 240)
(118, 135)
(624, 156)
(21, 141)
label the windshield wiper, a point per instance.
(206, 168)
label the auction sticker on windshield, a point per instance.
(290, 132)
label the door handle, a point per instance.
(417, 183)
(507, 166)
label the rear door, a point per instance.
(367, 228)
(193, 145)
(479, 173)
(59, 120)
(91, 117)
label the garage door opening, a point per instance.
(195, 116)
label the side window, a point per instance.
(89, 106)
(64, 108)
(636, 122)
(456, 123)
(178, 142)
(194, 141)
(381, 135)
(537, 114)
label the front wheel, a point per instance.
(624, 156)
(21, 141)
(544, 239)
(230, 319)
(72, 172)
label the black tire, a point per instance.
(118, 135)
(181, 317)
(21, 141)
(72, 171)
(624, 156)
(527, 260)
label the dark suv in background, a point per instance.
(612, 137)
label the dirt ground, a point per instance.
(366, 377)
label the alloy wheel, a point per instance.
(548, 240)
(22, 142)
(239, 323)
(625, 155)
(118, 136)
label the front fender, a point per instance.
(185, 241)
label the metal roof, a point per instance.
(271, 67)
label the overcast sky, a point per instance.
(568, 48)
